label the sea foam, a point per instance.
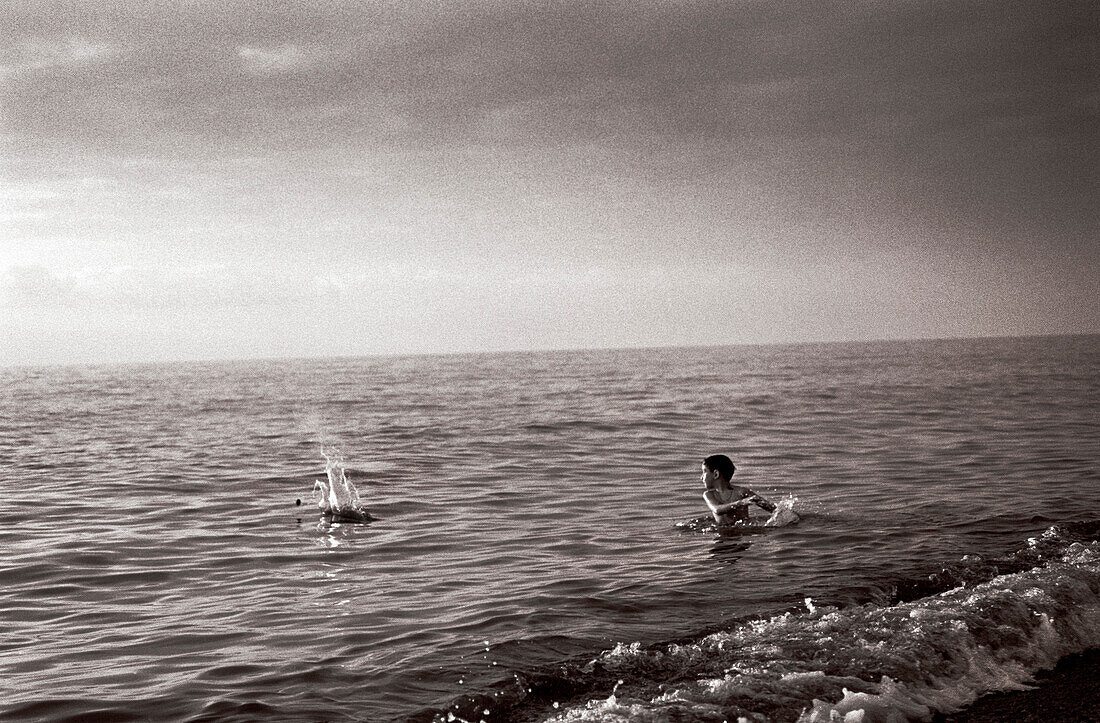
(868, 663)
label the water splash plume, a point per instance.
(784, 513)
(337, 497)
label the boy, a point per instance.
(727, 502)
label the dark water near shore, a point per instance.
(526, 561)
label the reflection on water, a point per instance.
(728, 550)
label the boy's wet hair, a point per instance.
(722, 464)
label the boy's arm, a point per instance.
(760, 502)
(719, 508)
(712, 503)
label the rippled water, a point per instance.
(525, 561)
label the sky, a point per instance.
(208, 180)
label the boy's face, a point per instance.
(710, 477)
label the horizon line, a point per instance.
(546, 350)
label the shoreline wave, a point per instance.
(991, 626)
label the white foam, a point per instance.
(871, 663)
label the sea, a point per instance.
(522, 536)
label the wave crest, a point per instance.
(867, 663)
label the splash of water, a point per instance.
(782, 516)
(337, 496)
(784, 513)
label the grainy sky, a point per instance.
(188, 180)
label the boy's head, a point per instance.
(721, 464)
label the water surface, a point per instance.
(526, 558)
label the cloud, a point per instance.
(899, 81)
(28, 192)
(390, 285)
(269, 61)
(325, 140)
(32, 287)
(117, 289)
(31, 54)
(951, 104)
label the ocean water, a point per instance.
(534, 549)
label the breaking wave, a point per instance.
(994, 625)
